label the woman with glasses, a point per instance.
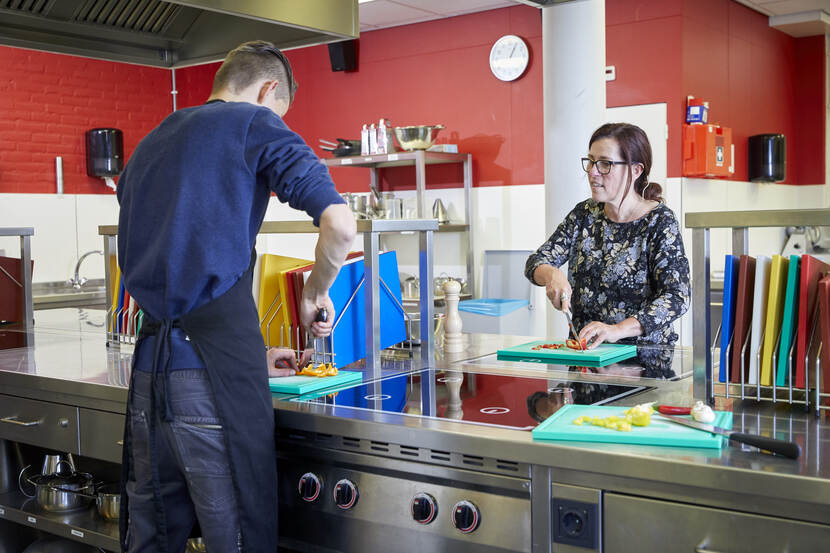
(628, 276)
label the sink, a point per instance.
(53, 295)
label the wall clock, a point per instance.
(509, 57)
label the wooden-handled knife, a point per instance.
(781, 447)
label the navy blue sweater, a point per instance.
(193, 197)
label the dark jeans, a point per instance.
(193, 466)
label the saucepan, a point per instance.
(58, 493)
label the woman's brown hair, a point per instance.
(634, 148)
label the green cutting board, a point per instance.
(560, 426)
(306, 384)
(603, 354)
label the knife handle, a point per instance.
(781, 447)
(322, 315)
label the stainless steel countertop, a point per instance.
(71, 364)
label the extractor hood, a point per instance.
(172, 33)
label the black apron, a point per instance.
(226, 334)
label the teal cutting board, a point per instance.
(789, 321)
(604, 354)
(560, 426)
(305, 384)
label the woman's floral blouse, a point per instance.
(620, 270)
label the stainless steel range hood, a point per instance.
(171, 33)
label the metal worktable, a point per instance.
(71, 366)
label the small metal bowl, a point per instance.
(418, 137)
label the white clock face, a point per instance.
(509, 57)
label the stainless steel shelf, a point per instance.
(84, 526)
(396, 159)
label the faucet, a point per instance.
(78, 281)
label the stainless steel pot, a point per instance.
(108, 501)
(411, 287)
(59, 493)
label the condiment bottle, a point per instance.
(364, 140)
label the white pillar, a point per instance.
(573, 58)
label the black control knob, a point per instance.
(310, 487)
(345, 494)
(424, 508)
(466, 517)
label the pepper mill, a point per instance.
(452, 324)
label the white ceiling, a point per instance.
(795, 17)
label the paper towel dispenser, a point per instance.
(767, 158)
(104, 152)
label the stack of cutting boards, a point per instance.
(278, 287)
(773, 305)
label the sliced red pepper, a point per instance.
(674, 410)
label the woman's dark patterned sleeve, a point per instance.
(669, 277)
(556, 250)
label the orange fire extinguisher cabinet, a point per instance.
(708, 151)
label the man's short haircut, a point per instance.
(255, 61)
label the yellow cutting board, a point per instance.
(273, 310)
(775, 310)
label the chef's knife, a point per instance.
(319, 343)
(781, 447)
(573, 329)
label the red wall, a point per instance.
(756, 79)
(47, 103)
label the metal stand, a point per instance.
(420, 159)
(740, 222)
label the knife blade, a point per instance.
(573, 329)
(781, 447)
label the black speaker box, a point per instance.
(343, 55)
(767, 157)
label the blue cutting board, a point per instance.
(305, 384)
(730, 299)
(560, 426)
(603, 354)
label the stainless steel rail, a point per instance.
(25, 234)
(740, 222)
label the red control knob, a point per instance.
(310, 487)
(345, 494)
(466, 517)
(424, 508)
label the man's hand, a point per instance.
(283, 361)
(309, 307)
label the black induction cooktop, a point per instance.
(517, 402)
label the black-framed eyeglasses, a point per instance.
(604, 166)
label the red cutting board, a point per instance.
(743, 317)
(824, 313)
(812, 271)
(11, 295)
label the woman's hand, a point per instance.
(595, 332)
(556, 284)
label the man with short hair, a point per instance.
(199, 437)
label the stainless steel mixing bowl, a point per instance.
(418, 137)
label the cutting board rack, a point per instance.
(811, 396)
(372, 287)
